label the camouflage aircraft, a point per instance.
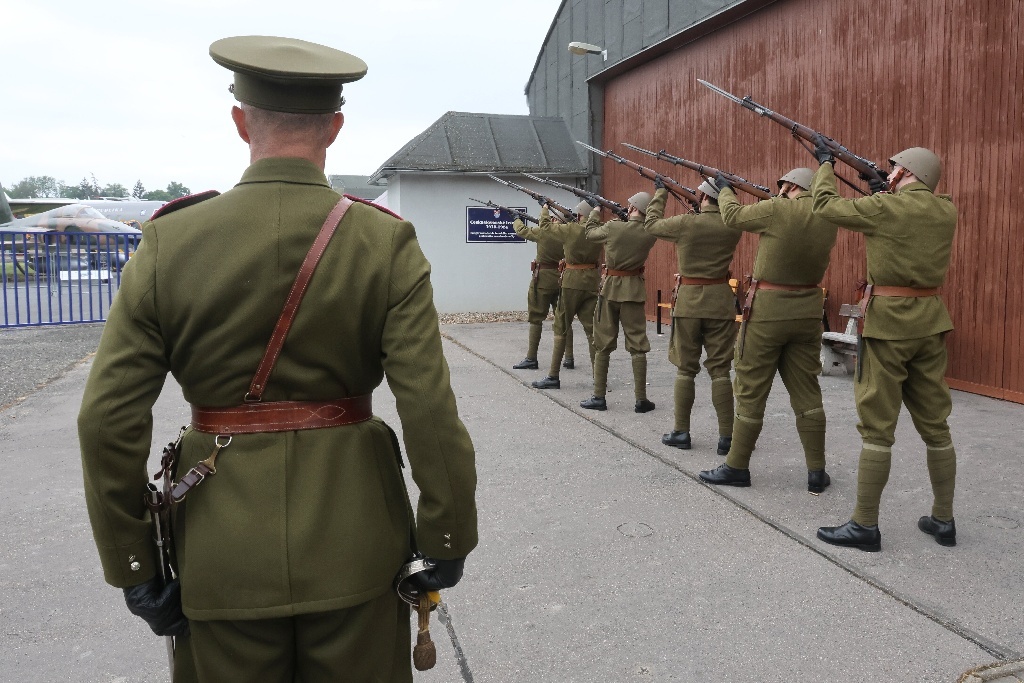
(131, 212)
(68, 218)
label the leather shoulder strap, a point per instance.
(291, 304)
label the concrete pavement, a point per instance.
(601, 557)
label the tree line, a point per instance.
(38, 187)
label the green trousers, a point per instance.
(367, 642)
(793, 349)
(717, 337)
(573, 303)
(908, 372)
(633, 320)
(540, 300)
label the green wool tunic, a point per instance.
(794, 249)
(626, 246)
(292, 522)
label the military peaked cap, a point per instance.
(286, 74)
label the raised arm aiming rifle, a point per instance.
(592, 197)
(868, 170)
(684, 194)
(521, 215)
(759, 191)
(541, 199)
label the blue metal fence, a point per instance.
(58, 278)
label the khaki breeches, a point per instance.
(633, 319)
(689, 335)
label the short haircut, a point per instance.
(281, 125)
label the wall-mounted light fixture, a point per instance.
(578, 48)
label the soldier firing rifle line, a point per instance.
(709, 172)
(592, 197)
(868, 170)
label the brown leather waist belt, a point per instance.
(683, 280)
(762, 284)
(580, 266)
(623, 273)
(536, 265)
(884, 290)
(282, 416)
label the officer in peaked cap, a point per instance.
(908, 239)
(781, 331)
(289, 547)
(704, 311)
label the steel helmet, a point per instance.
(583, 209)
(922, 162)
(708, 188)
(640, 200)
(798, 176)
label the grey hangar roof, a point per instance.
(464, 142)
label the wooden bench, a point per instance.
(839, 349)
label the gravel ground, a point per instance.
(32, 357)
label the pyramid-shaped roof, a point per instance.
(488, 143)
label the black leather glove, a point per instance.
(659, 183)
(444, 574)
(874, 183)
(822, 152)
(159, 606)
(721, 183)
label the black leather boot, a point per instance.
(944, 532)
(594, 403)
(643, 406)
(724, 444)
(548, 382)
(723, 475)
(853, 535)
(677, 440)
(526, 364)
(817, 481)
(569, 364)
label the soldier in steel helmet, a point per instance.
(908, 235)
(542, 296)
(621, 299)
(579, 279)
(287, 549)
(704, 314)
(781, 331)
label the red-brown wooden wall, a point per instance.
(878, 78)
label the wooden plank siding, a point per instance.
(879, 79)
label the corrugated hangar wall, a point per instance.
(879, 79)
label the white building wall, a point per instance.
(469, 277)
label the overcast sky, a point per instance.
(126, 90)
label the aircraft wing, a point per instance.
(30, 207)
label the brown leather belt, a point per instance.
(282, 416)
(623, 273)
(885, 290)
(580, 266)
(536, 265)
(683, 280)
(770, 286)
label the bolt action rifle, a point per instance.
(684, 194)
(592, 197)
(759, 191)
(868, 170)
(566, 212)
(521, 215)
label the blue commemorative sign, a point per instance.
(485, 225)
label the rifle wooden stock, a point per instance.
(566, 212)
(591, 197)
(759, 191)
(521, 215)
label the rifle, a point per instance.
(566, 212)
(592, 197)
(868, 169)
(521, 215)
(677, 189)
(759, 191)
